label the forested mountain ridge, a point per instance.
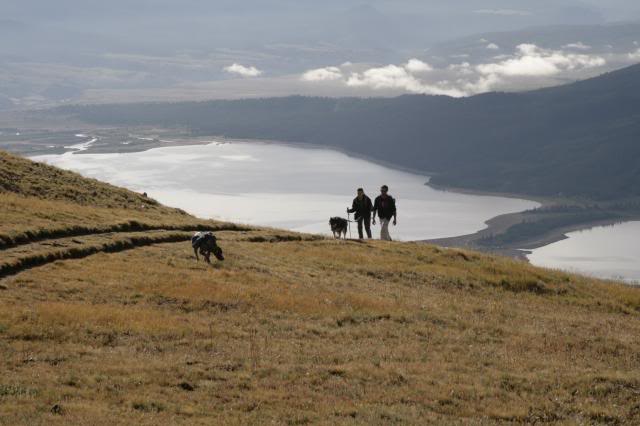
(582, 139)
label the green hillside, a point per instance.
(115, 324)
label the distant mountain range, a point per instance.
(618, 37)
(582, 139)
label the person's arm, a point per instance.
(353, 207)
(374, 211)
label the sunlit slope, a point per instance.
(295, 329)
(39, 201)
(33, 179)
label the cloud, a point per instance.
(243, 71)
(528, 66)
(416, 66)
(323, 74)
(577, 46)
(493, 46)
(482, 84)
(635, 56)
(398, 77)
(503, 12)
(462, 69)
(386, 77)
(533, 61)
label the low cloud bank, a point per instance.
(404, 77)
(527, 62)
(531, 60)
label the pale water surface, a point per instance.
(611, 252)
(286, 187)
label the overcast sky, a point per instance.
(239, 21)
(89, 49)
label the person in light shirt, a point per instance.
(385, 207)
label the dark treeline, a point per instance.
(581, 139)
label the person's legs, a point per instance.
(384, 230)
(367, 226)
(360, 228)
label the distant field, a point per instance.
(32, 141)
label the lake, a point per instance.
(285, 186)
(611, 252)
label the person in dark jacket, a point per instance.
(362, 207)
(385, 207)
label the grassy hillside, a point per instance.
(39, 201)
(296, 329)
(575, 140)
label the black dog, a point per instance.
(339, 226)
(206, 243)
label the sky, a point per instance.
(96, 51)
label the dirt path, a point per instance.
(21, 258)
(30, 237)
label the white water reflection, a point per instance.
(286, 187)
(611, 252)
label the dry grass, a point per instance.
(26, 219)
(16, 260)
(31, 179)
(316, 332)
(39, 201)
(290, 329)
(20, 213)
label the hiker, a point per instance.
(362, 207)
(385, 206)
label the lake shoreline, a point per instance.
(157, 138)
(467, 241)
(277, 169)
(496, 224)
